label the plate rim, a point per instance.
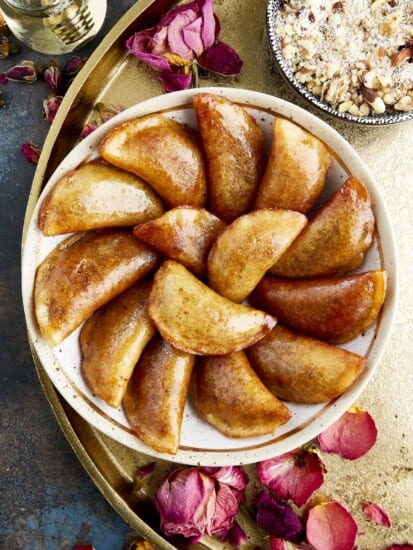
(271, 103)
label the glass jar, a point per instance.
(54, 26)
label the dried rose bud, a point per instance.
(88, 129)
(73, 66)
(107, 110)
(54, 78)
(23, 72)
(51, 106)
(31, 152)
(84, 547)
(4, 46)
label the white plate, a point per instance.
(200, 442)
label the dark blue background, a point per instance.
(46, 499)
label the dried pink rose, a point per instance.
(88, 129)
(331, 527)
(53, 76)
(374, 513)
(236, 536)
(351, 436)
(278, 518)
(186, 36)
(51, 106)
(107, 110)
(192, 503)
(31, 152)
(233, 476)
(295, 475)
(25, 71)
(282, 544)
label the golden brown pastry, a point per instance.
(83, 273)
(296, 170)
(194, 318)
(229, 395)
(246, 249)
(97, 195)
(155, 398)
(235, 152)
(298, 368)
(164, 153)
(112, 340)
(184, 234)
(335, 309)
(334, 239)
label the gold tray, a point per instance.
(112, 76)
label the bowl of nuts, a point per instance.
(352, 60)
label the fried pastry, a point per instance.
(155, 398)
(83, 273)
(296, 170)
(235, 153)
(299, 368)
(228, 394)
(184, 234)
(97, 195)
(335, 309)
(246, 249)
(192, 317)
(334, 239)
(112, 340)
(166, 154)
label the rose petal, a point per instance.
(210, 29)
(176, 40)
(226, 508)
(138, 45)
(192, 36)
(31, 152)
(294, 475)
(221, 59)
(186, 503)
(331, 527)
(278, 518)
(374, 513)
(174, 81)
(282, 544)
(234, 476)
(351, 436)
(236, 536)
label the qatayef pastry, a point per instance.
(335, 239)
(228, 394)
(97, 195)
(298, 368)
(112, 340)
(83, 273)
(155, 398)
(164, 153)
(296, 170)
(235, 154)
(335, 309)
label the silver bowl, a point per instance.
(393, 117)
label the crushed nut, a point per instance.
(343, 51)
